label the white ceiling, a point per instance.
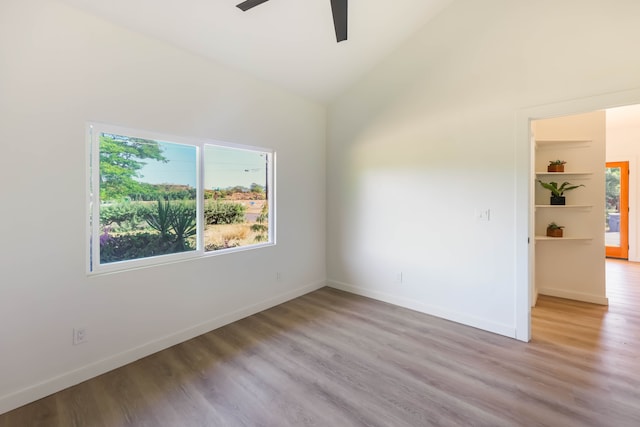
(623, 117)
(290, 43)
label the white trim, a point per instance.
(523, 173)
(90, 208)
(632, 230)
(165, 137)
(476, 322)
(93, 265)
(67, 379)
(271, 197)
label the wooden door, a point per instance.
(616, 235)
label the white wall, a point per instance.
(623, 144)
(429, 136)
(60, 68)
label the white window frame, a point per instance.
(94, 130)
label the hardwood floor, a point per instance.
(331, 358)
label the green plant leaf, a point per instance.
(161, 219)
(566, 186)
(551, 186)
(559, 191)
(183, 222)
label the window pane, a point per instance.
(155, 198)
(236, 206)
(147, 198)
(612, 211)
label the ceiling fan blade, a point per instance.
(339, 10)
(248, 4)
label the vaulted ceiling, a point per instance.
(290, 43)
(623, 117)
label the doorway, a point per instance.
(570, 264)
(525, 180)
(616, 235)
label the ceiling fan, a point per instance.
(338, 8)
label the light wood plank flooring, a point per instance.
(334, 359)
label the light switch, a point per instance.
(483, 214)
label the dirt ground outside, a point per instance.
(230, 235)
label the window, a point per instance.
(155, 199)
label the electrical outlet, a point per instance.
(278, 276)
(398, 278)
(79, 336)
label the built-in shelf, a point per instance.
(562, 238)
(564, 206)
(577, 141)
(561, 141)
(571, 143)
(564, 173)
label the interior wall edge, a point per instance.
(534, 300)
(68, 379)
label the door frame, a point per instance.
(621, 251)
(524, 232)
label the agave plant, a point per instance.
(559, 191)
(183, 224)
(160, 220)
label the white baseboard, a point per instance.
(578, 296)
(60, 382)
(486, 325)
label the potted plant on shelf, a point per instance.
(556, 166)
(557, 193)
(554, 230)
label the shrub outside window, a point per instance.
(155, 198)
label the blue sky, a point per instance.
(181, 168)
(224, 166)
